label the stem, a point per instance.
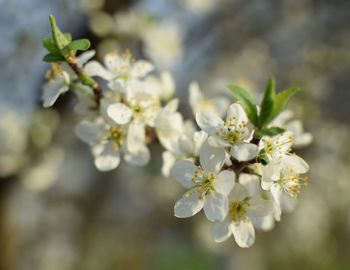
(84, 77)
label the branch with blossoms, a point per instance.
(240, 170)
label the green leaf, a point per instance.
(61, 40)
(267, 104)
(272, 131)
(50, 45)
(282, 99)
(53, 58)
(79, 45)
(247, 102)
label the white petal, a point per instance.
(195, 96)
(85, 56)
(189, 205)
(236, 111)
(276, 192)
(199, 138)
(168, 85)
(216, 206)
(251, 183)
(141, 69)
(238, 193)
(94, 68)
(139, 157)
(296, 163)
(168, 162)
(260, 207)
(211, 158)
(270, 172)
(221, 231)
(303, 140)
(52, 90)
(183, 172)
(120, 113)
(265, 223)
(89, 132)
(136, 137)
(106, 157)
(244, 233)
(224, 182)
(220, 104)
(186, 145)
(244, 151)
(208, 121)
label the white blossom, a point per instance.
(233, 133)
(246, 205)
(208, 186)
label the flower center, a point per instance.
(237, 210)
(291, 184)
(117, 136)
(231, 131)
(204, 181)
(277, 146)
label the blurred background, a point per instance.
(58, 212)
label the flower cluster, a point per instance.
(240, 170)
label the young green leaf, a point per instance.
(61, 40)
(247, 102)
(50, 45)
(282, 99)
(272, 131)
(267, 104)
(53, 58)
(79, 45)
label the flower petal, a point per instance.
(106, 157)
(211, 158)
(139, 157)
(52, 90)
(236, 111)
(244, 151)
(296, 163)
(141, 69)
(94, 68)
(224, 182)
(89, 132)
(135, 139)
(208, 121)
(168, 162)
(195, 96)
(221, 230)
(244, 233)
(183, 172)
(189, 205)
(216, 206)
(120, 113)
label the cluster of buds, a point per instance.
(241, 171)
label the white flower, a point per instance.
(164, 86)
(278, 146)
(246, 206)
(57, 85)
(108, 142)
(233, 133)
(187, 146)
(119, 69)
(169, 126)
(284, 178)
(198, 102)
(300, 138)
(163, 44)
(60, 78)
(208, 185)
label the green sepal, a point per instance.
(272, 131)
(264, 160)
(247, 101)
(267, 104)
(53, 58)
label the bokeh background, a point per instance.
(58, 212)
